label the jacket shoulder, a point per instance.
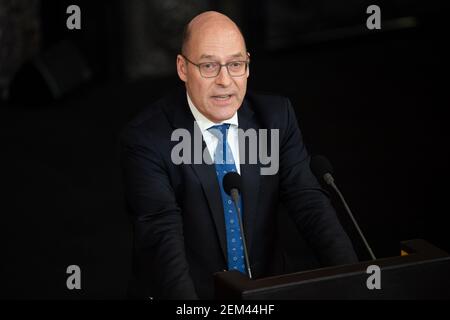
(150, 123)
(272, 110)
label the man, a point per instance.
(184, 224)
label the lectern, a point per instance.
(421, 272)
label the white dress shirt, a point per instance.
(211, 140)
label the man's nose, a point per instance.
(223, 78)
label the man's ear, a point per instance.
(248, 66)
(181, 68)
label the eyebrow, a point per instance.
(210, 56)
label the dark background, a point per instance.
(373, 101)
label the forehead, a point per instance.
(217, 42)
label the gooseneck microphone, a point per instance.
(232, 184)
(323, 170)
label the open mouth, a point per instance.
(222, 97)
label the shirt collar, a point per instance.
(203, 122)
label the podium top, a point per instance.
(423, 273)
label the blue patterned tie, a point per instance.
(224, 162)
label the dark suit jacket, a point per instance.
(179, 229)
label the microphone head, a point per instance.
(320, 166)
(232, 180)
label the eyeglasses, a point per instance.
(212, 69)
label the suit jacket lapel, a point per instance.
(250, 176)
(206, 173)
(178, 111)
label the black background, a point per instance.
(373, 102)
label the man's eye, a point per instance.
(209, 66)
(236, 64)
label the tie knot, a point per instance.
(220, 131)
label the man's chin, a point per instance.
(222, 116)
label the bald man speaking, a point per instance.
(176, 153)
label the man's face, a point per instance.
(220, 97)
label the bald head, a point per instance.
(208, 23)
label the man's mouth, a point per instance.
(223, 97)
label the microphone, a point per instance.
(323, 170)
(232, 184)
